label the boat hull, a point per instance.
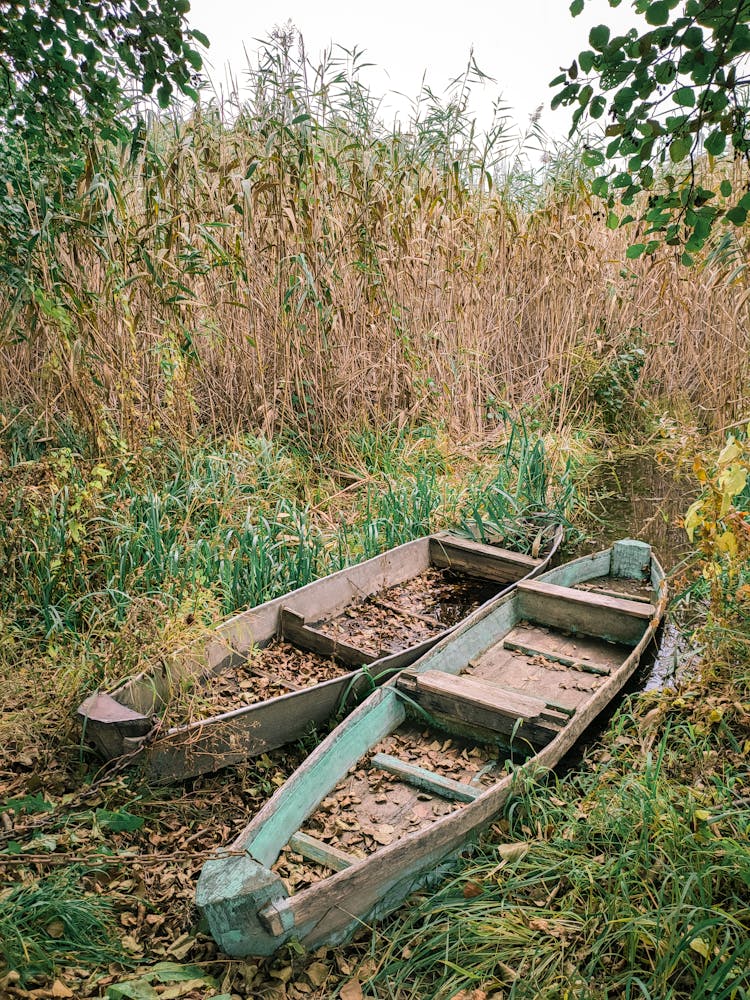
(331, 910)
(126, 721)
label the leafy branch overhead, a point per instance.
(64, 62)
(670, 91)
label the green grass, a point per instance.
(629, 878)
(233, 524)
(54, 920)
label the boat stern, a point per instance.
(232, 889)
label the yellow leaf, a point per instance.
(715, 716)
(731, 482)
(693, 518)
(699, 945)
(702, 814)
(727, 542)
(728, 453)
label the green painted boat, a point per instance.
(289, 664)
(420, 768)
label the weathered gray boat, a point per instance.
(363, 822)
(319, 617)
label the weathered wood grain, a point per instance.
(430, 781)
(485, 561)
(479, 705)
(583, 611)
(320, 852)
(294, 630)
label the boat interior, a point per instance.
(462, 729)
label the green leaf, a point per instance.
(685, 97)
(600, 187)
(576, 7)
(28, 804)
(586, 60)
(658, 13)
(118, 821)
(737, 215)
(715, 143)
(726, 188)
(598, 37)
(200, 37)
(597, 106)
(612, 221)
(635, 251)
(593, 157)
(679, 148)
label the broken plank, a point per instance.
(566, 661)
(420, 777)
(320, 852)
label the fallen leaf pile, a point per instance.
(370, 808)
(409, 612)
(276, 669)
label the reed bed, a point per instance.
(288, 265)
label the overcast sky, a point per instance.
(521, 43)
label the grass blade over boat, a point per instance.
(363, 821)
(271, 674)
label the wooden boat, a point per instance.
(281, 669)
(363, 821)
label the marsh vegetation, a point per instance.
(260, 342)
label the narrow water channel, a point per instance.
(637, 497)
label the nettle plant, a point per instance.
(675, 94)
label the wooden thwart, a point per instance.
(476, 559)
(582, 611)
(482, 705)
(419, 777)
(320, 852)
(294, 629)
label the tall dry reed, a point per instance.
(300, 268)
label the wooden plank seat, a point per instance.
(483, 705)
(429, 781)
(583, 611)
(488, 562)
(294, 629)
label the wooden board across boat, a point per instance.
(414, 773)
(324, 625)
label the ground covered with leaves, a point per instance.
(627, 876)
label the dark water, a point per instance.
(465, 596)
(637, 497)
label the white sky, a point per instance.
(521, 43)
